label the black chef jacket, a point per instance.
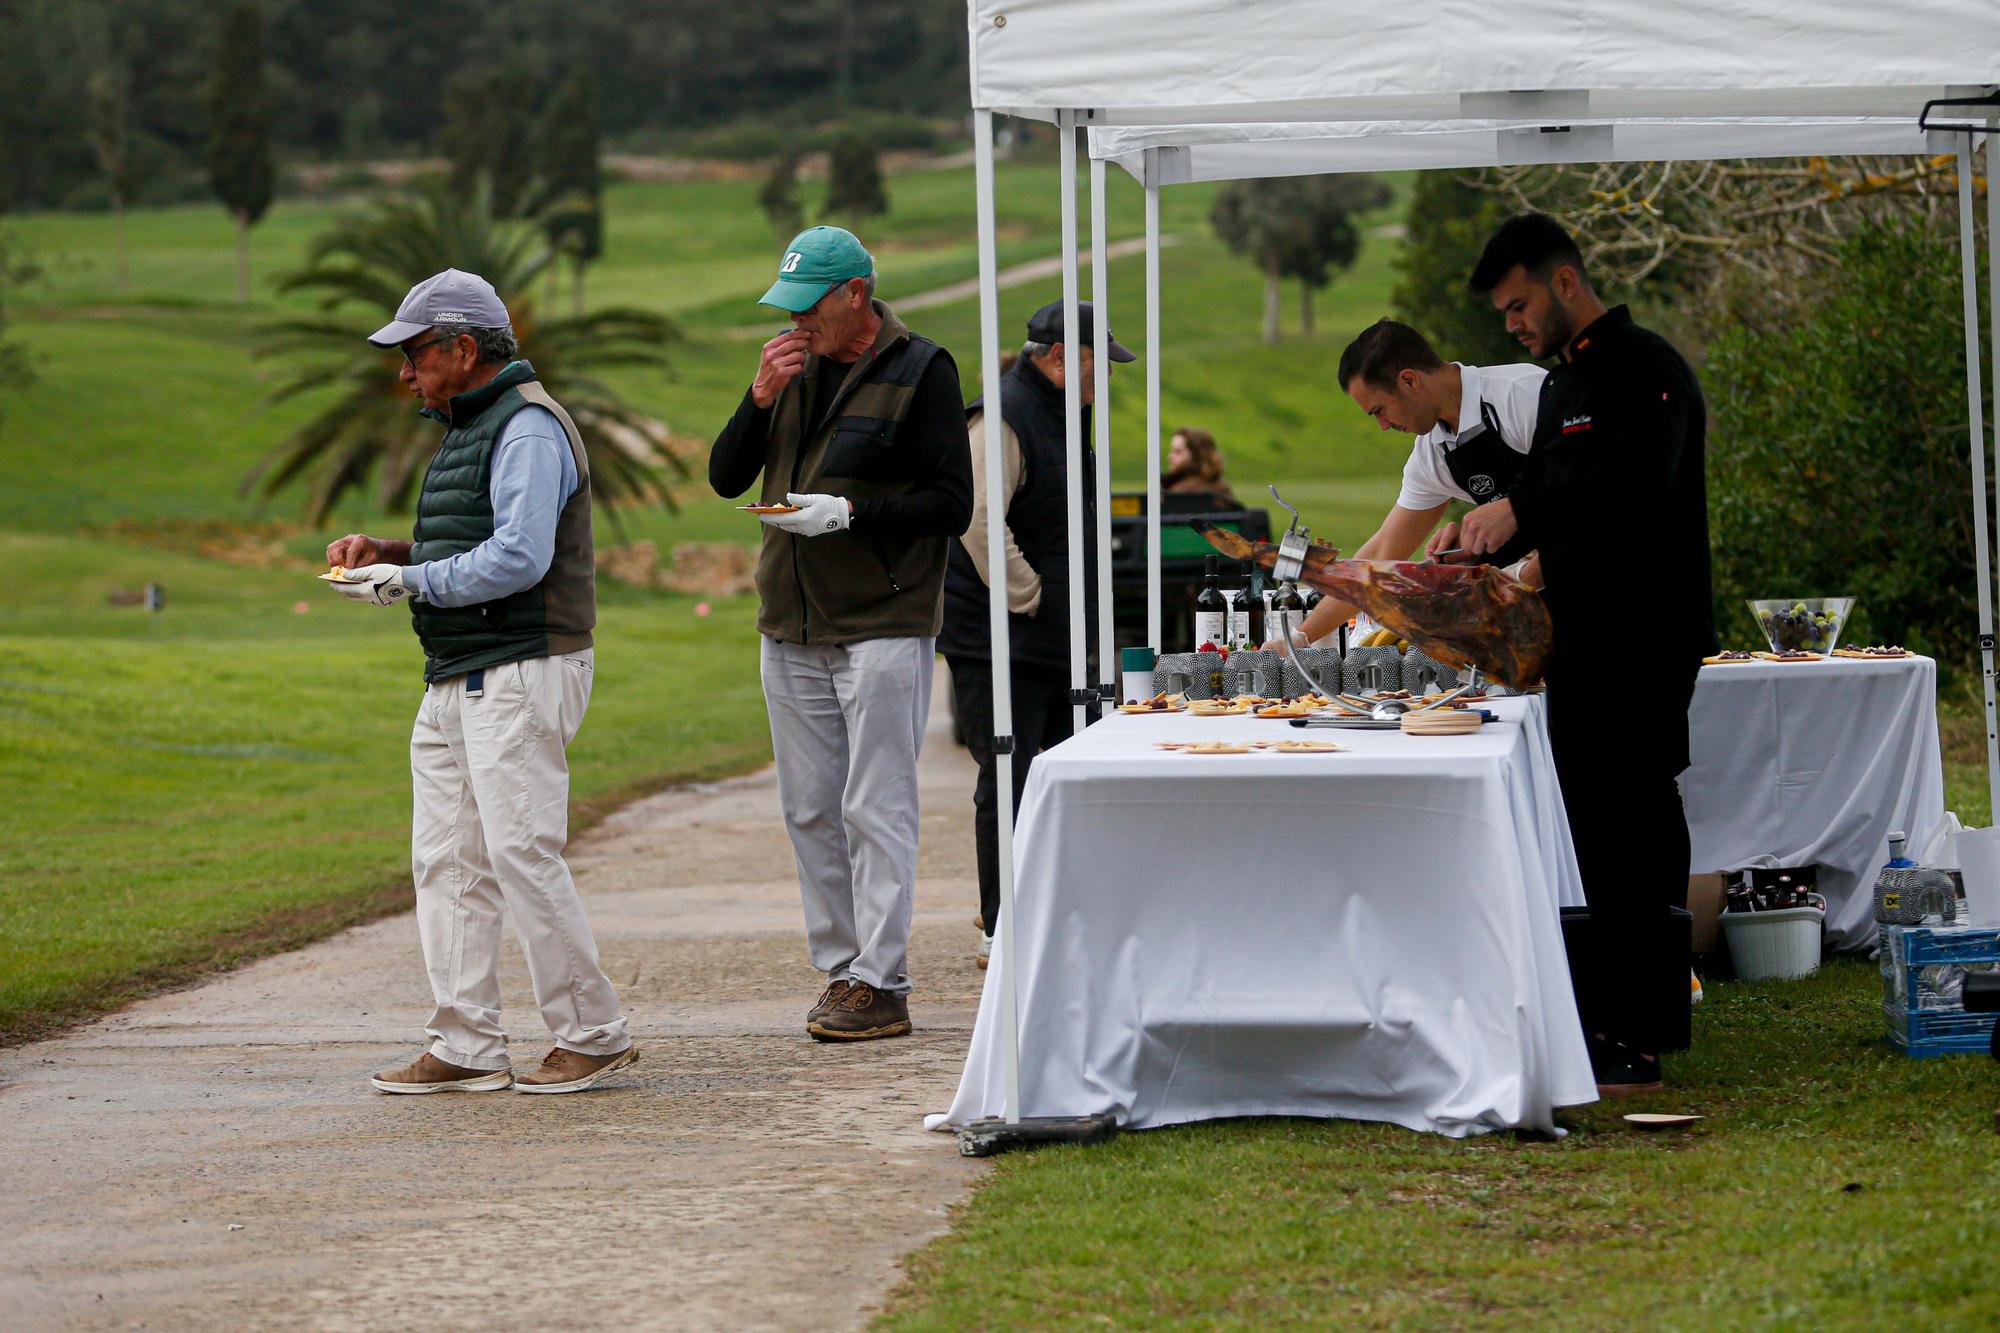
(1613, 496)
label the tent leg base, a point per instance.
(983, 1138)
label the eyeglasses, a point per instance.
(410, 353)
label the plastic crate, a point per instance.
(1918, 965)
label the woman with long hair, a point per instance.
(1195, 464)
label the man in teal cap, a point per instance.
(857, 429)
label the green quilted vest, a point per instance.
(455, 514)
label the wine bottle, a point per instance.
(1243, 616)
(1288, 613)
(1211, 612)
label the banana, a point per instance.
(1379, 638)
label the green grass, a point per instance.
(1834, 1184)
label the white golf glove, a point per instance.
(817, 514)
(377, 585)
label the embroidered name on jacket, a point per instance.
(1571, 425)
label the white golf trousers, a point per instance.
(491, 781)
(847, 723)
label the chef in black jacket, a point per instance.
(1613, 497)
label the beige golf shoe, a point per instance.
(564, 1070)
(430, 1074)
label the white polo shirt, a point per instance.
(1511, 391)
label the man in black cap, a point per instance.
(1035, 477)
(1619, 446)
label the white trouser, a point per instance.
(847, 723)
(491, 780)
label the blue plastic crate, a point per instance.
(1918, 964)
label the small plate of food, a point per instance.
(1789, 657)
(1874, 653)
(1217, 708)
(1732, 655)
(1159, 703)
(769, 509)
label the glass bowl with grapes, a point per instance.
(1802, 624)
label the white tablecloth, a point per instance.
(1371, 934)
(1804, 763)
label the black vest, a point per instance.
(1038, 515)
(455, 514)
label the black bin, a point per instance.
(1660, 978)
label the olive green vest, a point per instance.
(455, 514)
(844, 587)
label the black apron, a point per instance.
(1480, 462)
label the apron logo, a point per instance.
(1480, 485)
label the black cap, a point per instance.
(1046, 326)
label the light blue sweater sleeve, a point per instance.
(532, 477)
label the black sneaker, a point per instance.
(1622, 1071)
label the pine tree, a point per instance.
(571, 181)
(487, 134)
(854, 187)
(239, 131)
(106, 93)
(779, 196)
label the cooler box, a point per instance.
(1923, 974)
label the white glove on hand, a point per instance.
(817, 514)
(377, 585)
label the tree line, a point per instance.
(357, 79)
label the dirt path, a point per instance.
(215, 1158)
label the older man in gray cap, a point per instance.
(501, 583)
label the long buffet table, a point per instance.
(1371, 934)
(1814, 763)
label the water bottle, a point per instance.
(1892, 886)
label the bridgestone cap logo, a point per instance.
(791, 263)
(1480, 485)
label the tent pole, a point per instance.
(1969, 270)
(1155, 630)
(996, 603)
(1079, 674)
(1993, 343)
(1100, 296)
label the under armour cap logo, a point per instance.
(791, 262)
(451, 317)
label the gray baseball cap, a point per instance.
(450, 300)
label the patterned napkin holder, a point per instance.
(1366, 670)
(1424, 674)
(1253, 671)
(1192, 674)
(1322, 662)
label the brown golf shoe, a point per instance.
(430, 1074)
(863, 1014)
(828, 999)
(564, 1070)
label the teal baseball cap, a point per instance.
(817, 258)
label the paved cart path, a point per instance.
(215, 1158)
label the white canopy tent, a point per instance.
(1178, 91)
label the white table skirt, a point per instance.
(1370, 935)
(1813, 763)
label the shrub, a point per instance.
(1837, 448)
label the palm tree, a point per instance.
(369, 261)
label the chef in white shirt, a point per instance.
(1473, 426)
